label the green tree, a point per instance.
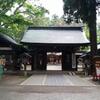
(57, 21)
(39, 19)
(9, 23)
(98, 33)
(85, 11)
(86, 31)
(17, 15)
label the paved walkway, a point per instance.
(54, 67)
(58, 79)
(49, 92)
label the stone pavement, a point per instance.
(54, 67)
(58, 79)
(52, 86)
(49, 93)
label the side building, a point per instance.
(9, 52)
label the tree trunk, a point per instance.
(93, 40)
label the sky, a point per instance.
(53, 6)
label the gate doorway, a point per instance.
(54, 61)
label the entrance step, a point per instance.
(53, 72)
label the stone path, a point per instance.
(54, 67)
(57, 79)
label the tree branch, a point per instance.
(19, 6)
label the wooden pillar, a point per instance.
(34, 61)
(39, 60)
(63, 61)
(74, 66)
(66, 60)
(44, 61)
(14, 59)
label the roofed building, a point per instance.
(41, 40)
(9, 50)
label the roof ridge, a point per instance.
(55, 28)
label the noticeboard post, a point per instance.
(97, 66)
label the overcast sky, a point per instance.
(53, 6)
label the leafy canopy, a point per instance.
(16, 15)
(79, 10)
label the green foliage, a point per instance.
(84, 11)
(77, 10)
(17, 15)
(56, 21)
(86, 30)
(98, 33)
(41, 21)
